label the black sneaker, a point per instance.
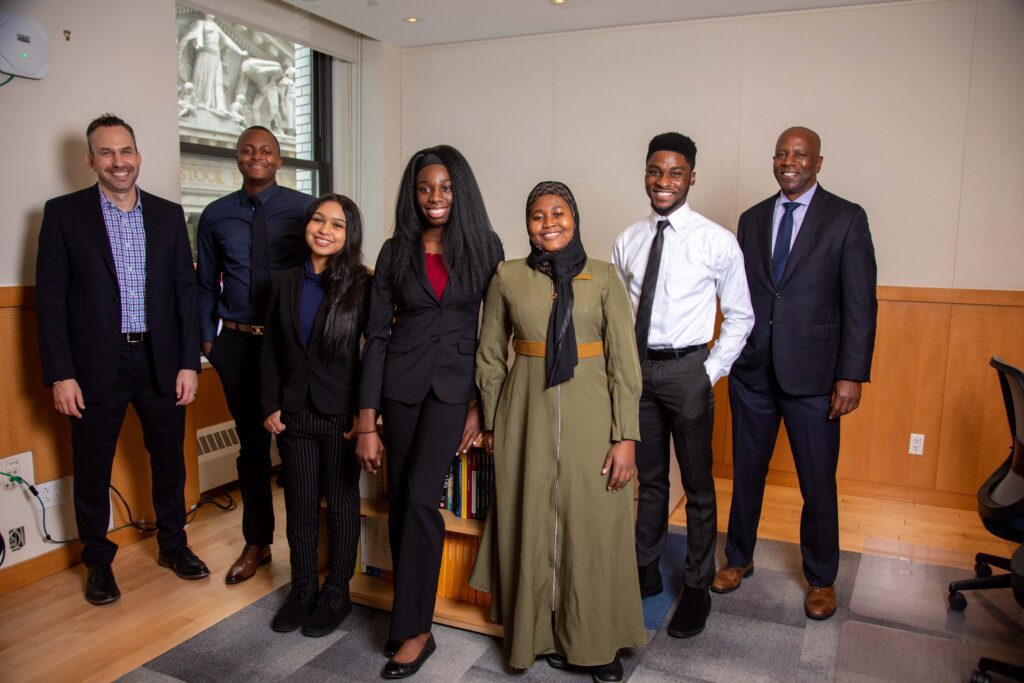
(691, 614)
(100, 587)
(184, 563)
(331, 610)
(296, 608)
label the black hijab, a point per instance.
(560, 355)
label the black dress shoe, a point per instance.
(395, 669)
(296, 608)
(100, 587)
(391, 647)
(331, 610)
(608, 672)
(691, 614)
(184, 563)
(650, 579)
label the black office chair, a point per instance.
(1001, 508)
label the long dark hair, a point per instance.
(471, 247)
(345, 280)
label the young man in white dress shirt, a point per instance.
(675, 264)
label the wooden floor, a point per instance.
(49, 633)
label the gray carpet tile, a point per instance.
(901, 591)
(241, 648)
(897, 655)
(892, 624)
(730, 648)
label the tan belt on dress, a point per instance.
(584, 350)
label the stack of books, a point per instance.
(469, 486)
(456, 566)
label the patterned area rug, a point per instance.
(892, 625)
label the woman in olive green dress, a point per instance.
(558, 550)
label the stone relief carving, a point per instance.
(230, 77)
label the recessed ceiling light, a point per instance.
(557, 2)
(410, 20)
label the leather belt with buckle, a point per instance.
(672, 354)
(133, 337)
(256, 330)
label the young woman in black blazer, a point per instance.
(310, 379)
(418, 372)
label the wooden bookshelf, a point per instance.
(377, 592)
(374, 592)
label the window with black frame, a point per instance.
(231, 77)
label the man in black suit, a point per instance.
(116, 308)
(811, 271)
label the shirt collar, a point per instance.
(804, 199)
(106, 203)
(264, 197)
(676, 220)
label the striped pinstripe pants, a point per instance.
(318, 462)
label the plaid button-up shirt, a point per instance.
(128, 244)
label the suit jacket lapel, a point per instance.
(93, 214)
(764, 236)
(808, 230)
(294, 294)
(419, 264)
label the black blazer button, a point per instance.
(778, 295)
(437, 309)
(435, 338)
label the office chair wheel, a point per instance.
(982, 569)
(957, 602)
(980, 677)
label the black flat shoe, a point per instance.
(395, 669)
(692, 613)
(100, 587)
(557, 661)
(332, 609)
(184, 563)
(391, 647)
(608, 673)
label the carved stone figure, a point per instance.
(264, 74)
(207, 71)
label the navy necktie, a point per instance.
(782, 242)
(646, 303)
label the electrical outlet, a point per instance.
(54, 493)
(916, 444)
(11, 465)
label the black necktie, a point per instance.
(259, 257)
(646, 303)
(782, 242)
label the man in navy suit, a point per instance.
(116, 309)
(811, 270)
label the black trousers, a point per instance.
(421, 441)
(814, 439)
(94, 440)
(677, 402)
(319, 462)
(236, 357)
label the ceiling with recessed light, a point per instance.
(454, 21)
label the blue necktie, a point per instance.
(782, 241)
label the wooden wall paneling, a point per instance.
(28, 421)
(976, 437)
(904, 396)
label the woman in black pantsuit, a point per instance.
(418, 372)
(310, 377)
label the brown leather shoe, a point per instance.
(729, 578)
(252, 556)
(820, 603)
